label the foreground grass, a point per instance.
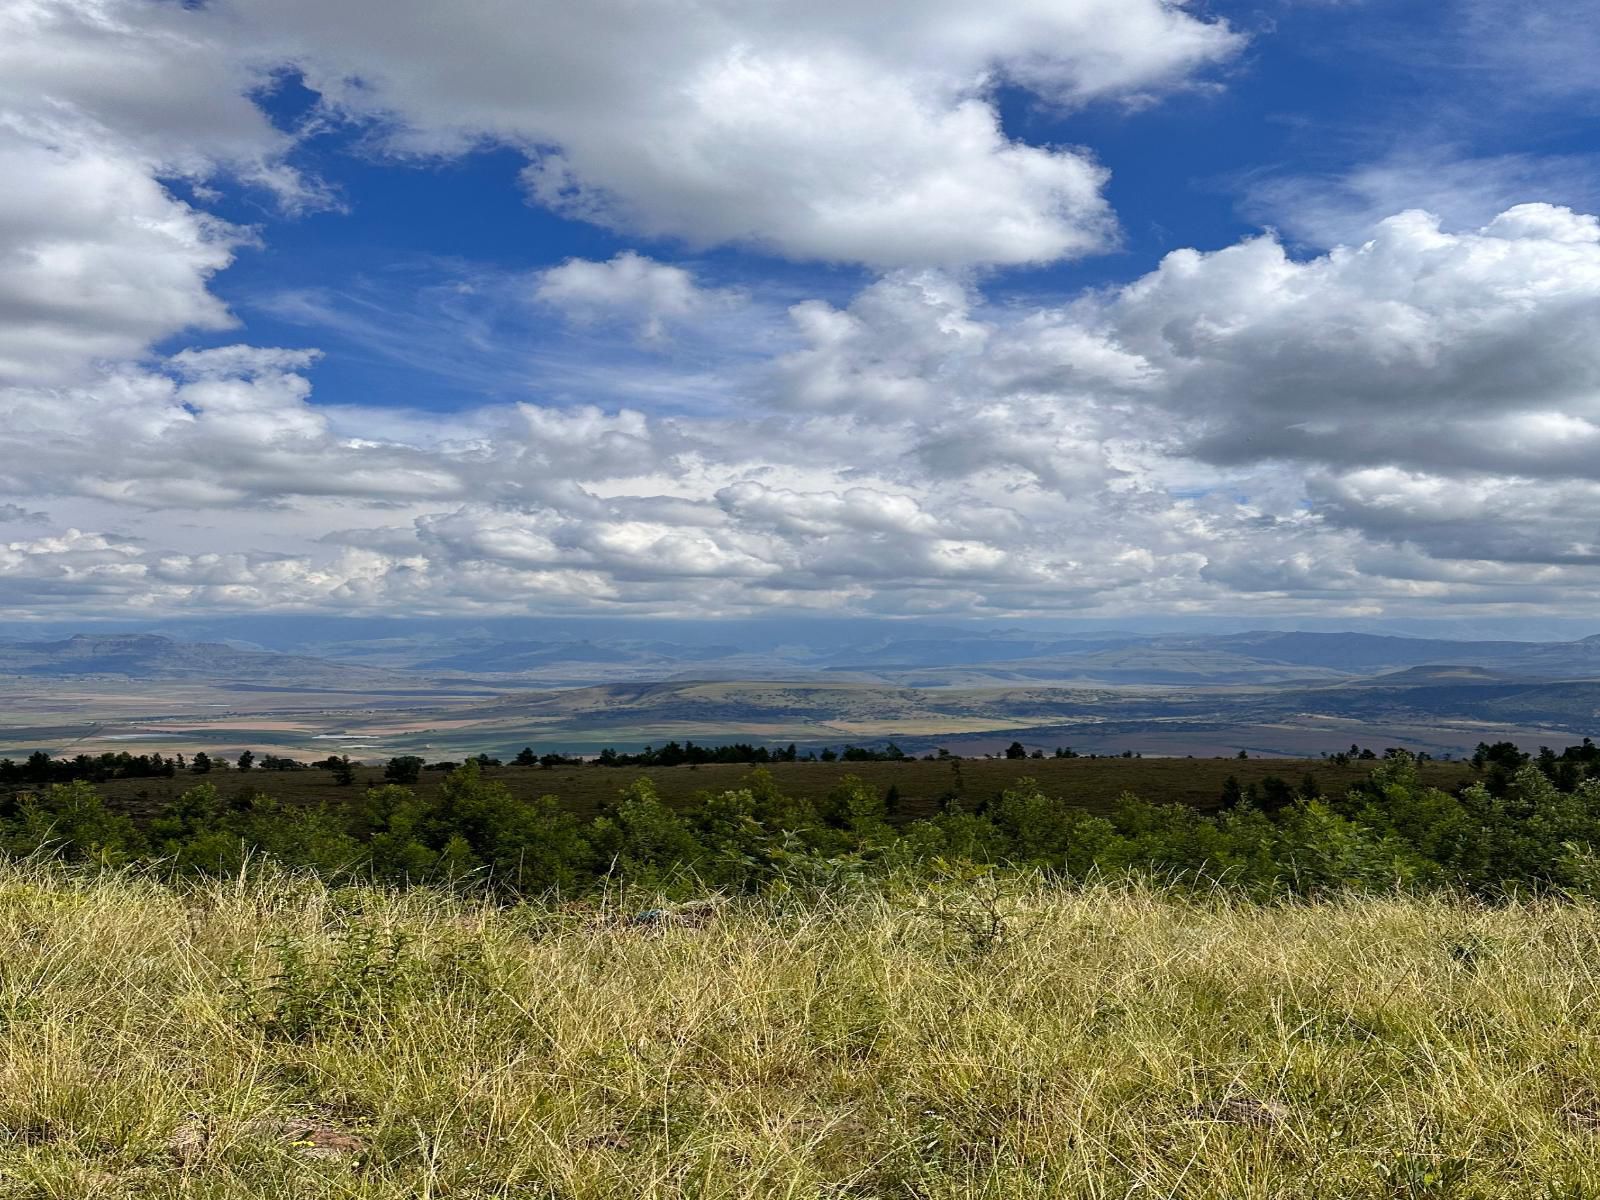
(276, 1038)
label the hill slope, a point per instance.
(152, 657)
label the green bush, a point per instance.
(1518, 829)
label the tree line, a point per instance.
(1520, 824)
(40, 768)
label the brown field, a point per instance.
(1095, 783)
(80, 717)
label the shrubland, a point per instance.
(1518, 826)
(1392, 992)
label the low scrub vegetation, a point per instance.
(1389, 993)
(1520, 826)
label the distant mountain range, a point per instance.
(153, 657)
(954, 658)
(1268, 692)
(947, 657)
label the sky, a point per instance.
(1102, 309)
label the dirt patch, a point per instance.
(305, 1137)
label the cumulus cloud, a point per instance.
(1416, 412)
(1463, 190)
(1411, 417)
(159, 84)
(648, 295)
(1387, 424)
(102, 103)
(97, 260)
(531, 507)
(1418, 347)
(826, 131)
(890, 351)
(149, 440)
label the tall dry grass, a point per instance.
(274, 1038)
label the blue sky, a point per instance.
(1093, 309)
(1309, 96)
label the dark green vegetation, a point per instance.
(1089, 783)
(1519, 824)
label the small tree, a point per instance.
(525, 758)
(247, 760)
(1016, 750)
(1232, 793)
(201, 764)
(1275, 794)
(344, 771)
(405, 768)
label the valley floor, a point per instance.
(273, 1038)
(452, 720)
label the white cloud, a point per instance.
(1410, 418)
(826, 131)
(101, 102)
(1418, 347)
(220, 439)
(891, 351)
(1462, 189)
(153, 82)
(96, 261)
(857, 509)
(1541, 50)
(1391, 424)
(630, 288)
(529, 506)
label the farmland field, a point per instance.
(455, 719)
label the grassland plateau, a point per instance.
(273, 1038)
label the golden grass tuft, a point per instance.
(273, 1038)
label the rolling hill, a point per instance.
(153, 657)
